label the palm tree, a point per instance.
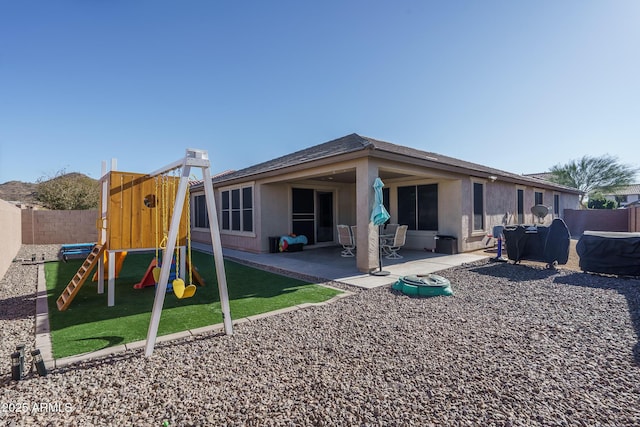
(603, 174)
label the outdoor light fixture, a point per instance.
(16, 372)
(20, 350)
(492, 178)
(37, 359)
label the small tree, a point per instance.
(598, 201)
(589, 174)
(68, 191)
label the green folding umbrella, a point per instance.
(379, 216)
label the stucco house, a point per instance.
(311, 191)
(626, 195)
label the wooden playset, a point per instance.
(143, 212)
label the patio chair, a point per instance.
(390, 229)
(392, 246)
(345, 238)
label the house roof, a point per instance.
(627, 190)
(541, 175)
(355, 143)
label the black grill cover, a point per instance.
(610, 253)
(549, 244)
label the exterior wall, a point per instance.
(501, 200)
(630, 199)
(568, 202)
(273, 212)
(10, 234)
(346, 202)
(352, 205)
(41, 227)
(580, 220)
(450, 209)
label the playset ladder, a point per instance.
(69, 293)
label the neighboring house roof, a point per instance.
(355, 143)
(625, 191)
(542, 175)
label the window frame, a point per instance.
(234, 212)
(520, 215)
(556, 204)
(414, 224)
(537, 192)
(195, 203)
(474, 229)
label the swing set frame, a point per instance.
(194, 158)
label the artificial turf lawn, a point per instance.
(89, 325)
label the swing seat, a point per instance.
(156, 274)
(181, 290)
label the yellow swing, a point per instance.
(180, 289)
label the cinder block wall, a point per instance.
(40, 227)
(596, 220)
(10, 235)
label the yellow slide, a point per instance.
(120, 256)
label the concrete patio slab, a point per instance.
(326, 264)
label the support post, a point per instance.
(217, 252)
(101, 275)
(111, 279)
(161, 288)
(193, 158)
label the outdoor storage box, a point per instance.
(446, 244)
(294, 247)
(274, 241)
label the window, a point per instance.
(520, 205)
(478, 206)
(200, 217)
(247, 209)
(621, 199)
(538, 197)
(237, 209)
(418, 207)
(556, 205)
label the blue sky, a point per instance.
(516, 85)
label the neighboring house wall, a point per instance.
(41, 227)
(579, 220)
(10, 234)
(625, 195)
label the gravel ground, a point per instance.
(517, 345)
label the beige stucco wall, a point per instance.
(346, 202)
(42, 227)
(273, 207)
(272, 204)
(10, 234)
